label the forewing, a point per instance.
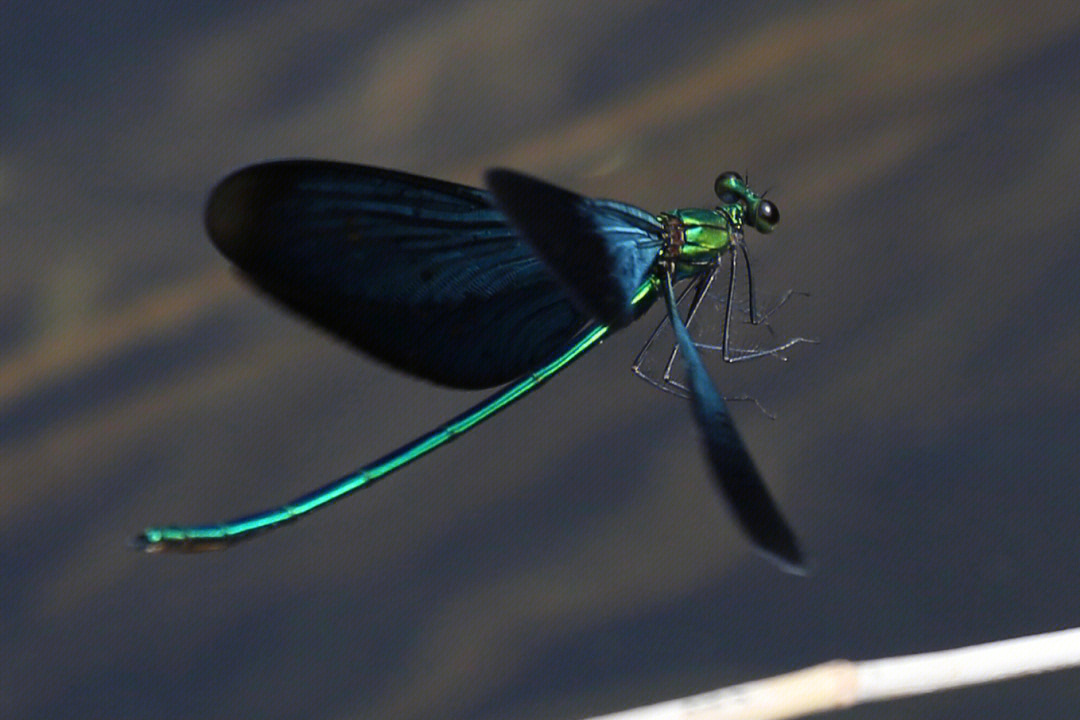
(602, 250)
(425, 275)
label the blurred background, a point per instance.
(570, 557)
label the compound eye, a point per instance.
(765, 217)
(767, 213)
(727, 186)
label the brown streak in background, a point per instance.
(53, 356)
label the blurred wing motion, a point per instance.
(739, 481)
(425, 275)
(601, 249)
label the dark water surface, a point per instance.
(570, 558)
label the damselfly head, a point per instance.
(743, 204)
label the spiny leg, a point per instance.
(762, 318)
(664, 383)
(667, 382)
(732, 355)
(701, 289)
(703, 285)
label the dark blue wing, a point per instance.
(603, 250)
(425, 275)
(739, 481)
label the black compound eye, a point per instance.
(727, 187)
(727, 181)
(767, 213)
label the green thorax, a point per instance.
(696, 238)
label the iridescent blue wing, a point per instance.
(602, 250)
(425, 275)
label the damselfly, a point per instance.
(472, 289)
